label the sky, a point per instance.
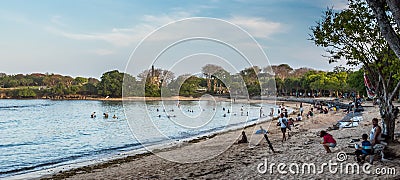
(89, 37)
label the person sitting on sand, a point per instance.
(366, 149)
(310, 113)
(299, 118)
(375, 135)
(376, 140)
(244, 138)
(328, 141)
(290, 122)
(115, 117)
(105, 115)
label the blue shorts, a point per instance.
(331, 145)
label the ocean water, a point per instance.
(41, 134)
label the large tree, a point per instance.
(111, 84)
(353, 35)
(209, 70)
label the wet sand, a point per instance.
(242, 161)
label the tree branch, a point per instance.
(378, 7)
(394, 91)
(394, 6)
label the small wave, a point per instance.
(17, 144)
(62, 161)
(21, 170)
(24, 106)
(9, 121)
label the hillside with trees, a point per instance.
(276, 80)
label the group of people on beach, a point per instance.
(370, 147)
(375, 144)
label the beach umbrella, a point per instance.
(261, 131)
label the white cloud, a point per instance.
(335, 4)
(115, 36)
(258, 27)
(122, 36)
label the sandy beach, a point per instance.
(243, 161)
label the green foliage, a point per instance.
(111, 84)
(88, 89)
(189, 87)
(24, 93)
(353, 35)
(355, 81)
(152, 90)
(80, 81)
(251, 81)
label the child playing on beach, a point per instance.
(364, 150)
(328, 141)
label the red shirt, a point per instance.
(329, 139)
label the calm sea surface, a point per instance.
(40, 134)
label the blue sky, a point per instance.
(89, 37)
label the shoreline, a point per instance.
(150, 165)
(133, 154)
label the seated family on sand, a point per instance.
(375, 145)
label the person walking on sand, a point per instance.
(282, 121)
(328, 141)
(301, 109)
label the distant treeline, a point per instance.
(281, 80)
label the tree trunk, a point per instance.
(215, 85)
(394, 6)
(208, 83)
(378, 7)
(388, 116)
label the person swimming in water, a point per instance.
(93, 115)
